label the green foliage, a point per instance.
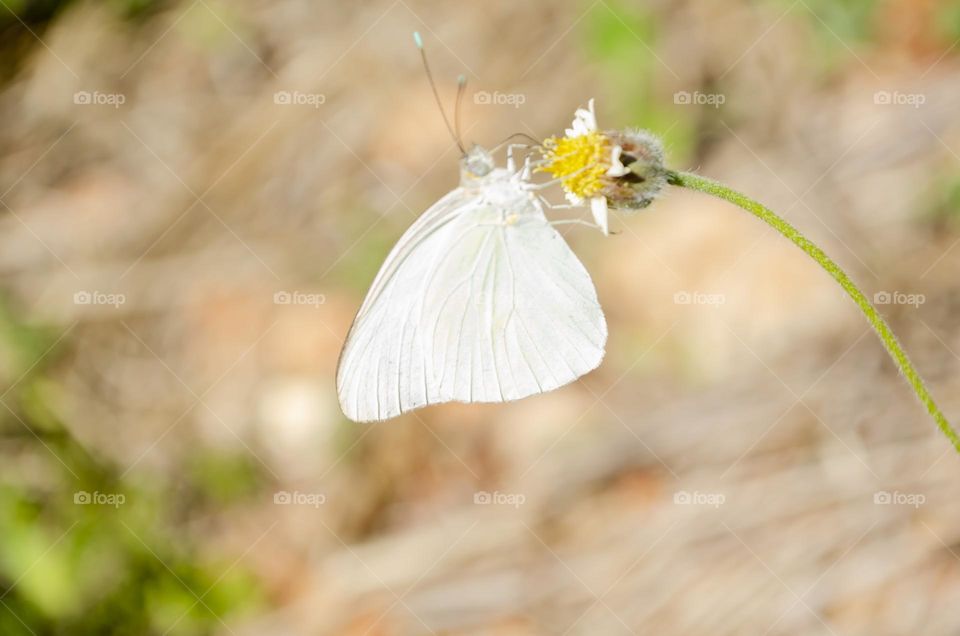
(35, 12)
(210, 24)
(225, 479)
(623, 44)
(948, 21)
(846, 20)
(359, 265)
(942, 201)
(84, 550)
(839, 26)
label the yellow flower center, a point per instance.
(581, 162)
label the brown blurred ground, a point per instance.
(201, 197)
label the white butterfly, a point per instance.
(481, 300)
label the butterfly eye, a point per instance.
(476, 163)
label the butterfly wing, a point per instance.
(469, 308)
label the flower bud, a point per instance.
(642, 176)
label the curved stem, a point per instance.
(708, 186)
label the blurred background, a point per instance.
(195, 195)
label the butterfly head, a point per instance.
(475, 164)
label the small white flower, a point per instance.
(589, 162)
(584, 123)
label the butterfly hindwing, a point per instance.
(468, 307)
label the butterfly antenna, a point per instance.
(457, 109)
(536, 142)
(436, 95)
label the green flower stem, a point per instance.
(708, 186)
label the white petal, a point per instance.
(590, 116)
(598, 206)
(617, 169)
(584, 121)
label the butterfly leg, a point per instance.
(511, 164)
(569, 206)
(575, 222)
(547, 184)
(559, 206)
(580, 222)
(525, 173)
